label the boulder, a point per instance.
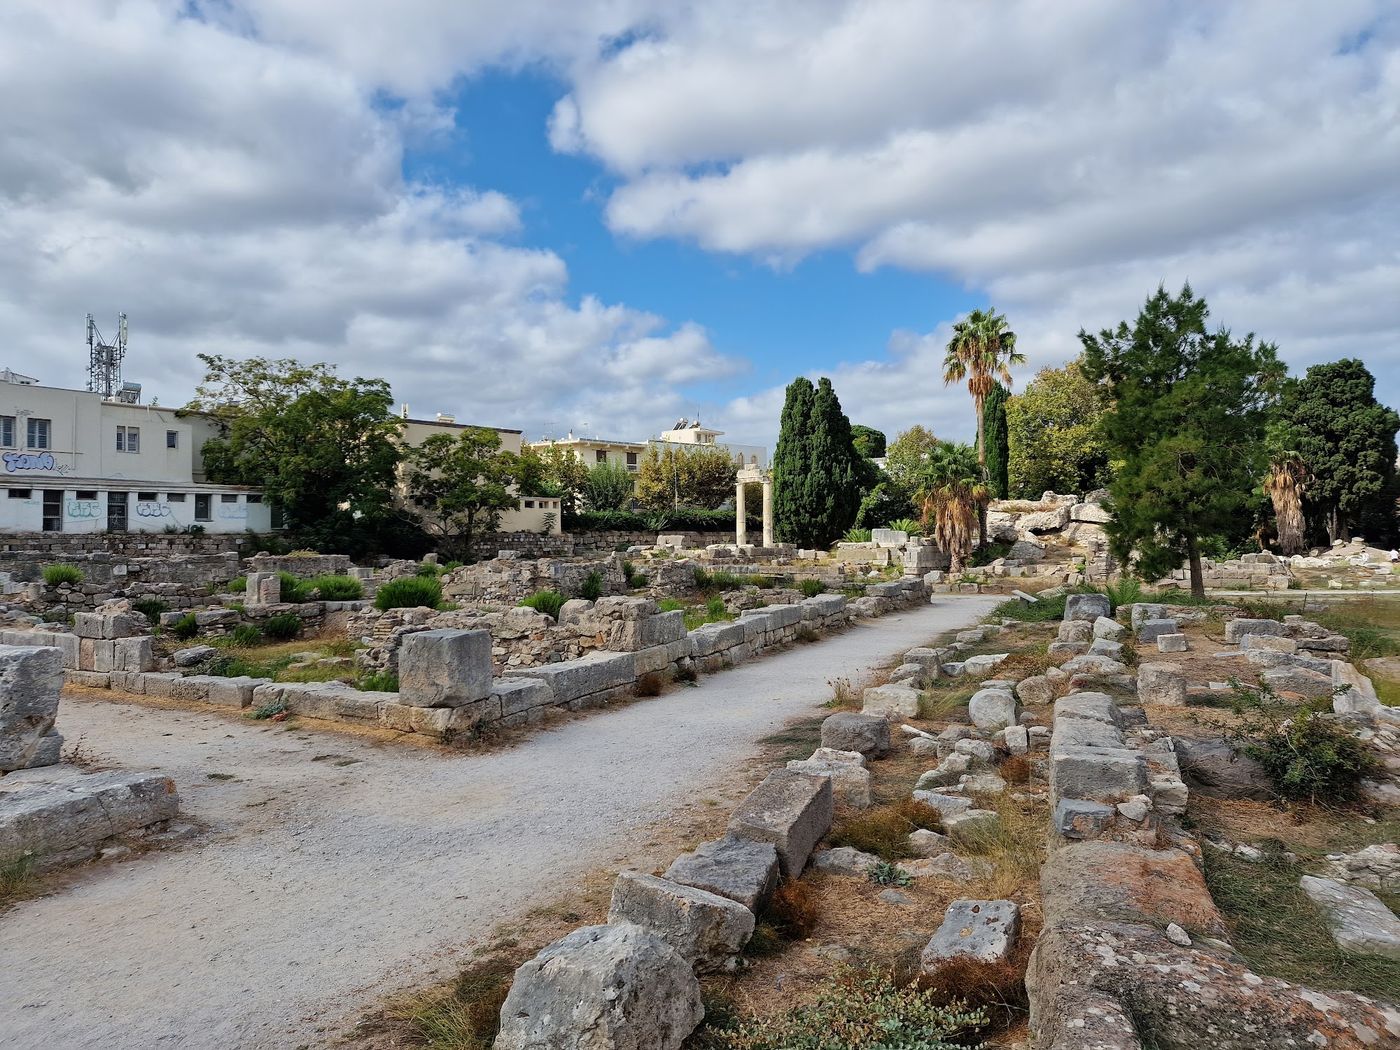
(1238, 628)
(993, 709)
(1161, 685)
(855, 731)
(1088, 607)
(844, 860)
(614, 987)
(1214, 768)
(1075, 631)
(984, 931)
(1110, 629)
(1360, 922)
(709, 931)
(925, 843)
(790, 810)
(1037, 689)
(895, 700)
(737, 868)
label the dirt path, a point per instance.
(335, 869)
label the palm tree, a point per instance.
(952, 495)
(1285, 485)
(981, 351)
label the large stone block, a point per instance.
(521, 694)
(1161, 685)
(895, 700)
(614, 987)
(445, 668)
(30, 680)
(984, 931)
(790, 810)
(1151, 630)
(709, 931)
(65, 821)
(857, 731)
(134, 654)
(1084, 732)
(738, 868)
(850, 780)
(1298, 680)
(574, 682)
(1360, 922)
(1109, 629)
(1237, 629)
(1099, 774)
(925, 657)
(1097, 706)
(993, 708)
(712, 638)
(1086, 607)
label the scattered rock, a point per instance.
(1088, 607)
(1359, 921)
(196, 654)
(732, 867)
(853, 731)
(844, 860)
(1161, 684)
(993, 708)
(985, 931)
(1171, 643)
(1177, 935)
(709, 931)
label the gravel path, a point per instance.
(335, 869)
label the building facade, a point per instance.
(72, 461)
(684, 436)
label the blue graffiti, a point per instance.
(148, 509)
(29, 461)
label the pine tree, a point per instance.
(995, 436)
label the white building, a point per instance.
(684, 436)
(71, 461)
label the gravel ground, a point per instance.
(335, 869)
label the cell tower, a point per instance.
(105, 359)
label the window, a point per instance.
(7, 431)
(203, 509)
(631, 461)
(254, 497)
(228, 497)
(39, 432)
(174, 497)
(147, 497)
(601, 455)
(53, 510)
(529, 504)
(128, 439)
(172, 439)
(85, 494)
(17, 493)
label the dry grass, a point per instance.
(793, 910)
(464, 1015)
(884, 830)
(17, 880)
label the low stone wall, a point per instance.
(60, 546)
(1261, 571)
(302, 566)
(511, 579)
(585, 544)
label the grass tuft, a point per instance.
(884, 830)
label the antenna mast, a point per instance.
(105, 359)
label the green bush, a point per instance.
(185, 627)
(679, 519)
(1127, 591)
(54, 575)
(592, 587)
(269, 710)
(237, 585)
(856, 536)
(633, 577)
(884, 873)
(811, 588)
(988, 553)
(294, 588)
(245, 636)
(150, 608)
(868, 1011)
(547, 602)
(378, 682)
(338, 588)
(909, 525)
(1031, 612)
(282, 627)
(428, 571)
(671, 605)
(409, 592)
(1308, 755)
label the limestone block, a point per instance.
(263, 588)
(1084, 732)
(1093, 665)
(790, 810)
(1097, 706)
(1104, 627)
(515, 695)
(947, 773)
(927, 843)
(445, 668)
(852, 731)
(1360, 922)
(709, 931)
(925, 658)
(1273, 642)
(1077, 818)
(622, 984)
(972, 826)
(1017, 739)
(577, 680)
(975, 665)
(1238, 628)
(979, 750)
(714, 638)
(895, 700)
(1037, 689)
(1104, 647)
(850, 781)
(1092, 513)
(733, 867)
(104, 655)
(1087, 607)
(1099, 774)
(232, 692)
(66, 820)
(134, 654)
(30, 680)
(1151, 630)
(948, 806)
(1075, 631)
(1171, 643)
(1297, 680)
(1143, 611)
(993, 708)
(1059, 650)
(984, 931)
(1161, 685)
(844, 860)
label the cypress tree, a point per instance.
(792, 463)
(997, 445)
(838, 470)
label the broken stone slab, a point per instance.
(1161, 684)
(1358, 695)
(1084, 732)
(983, 751)
(984, 931)
(895, 700)
(972, 826)
(1271, 642)
(925, 657)
(1016, 739)
(620, 983)
(1238, 628)
(1097, 706)
(945, 865)
(856, 731)
(1171, 643)
(850, 780)
(31, 677)
(1103, 647)
(844, 860)
(1093, 665)
(1151, 630)
(947, 805)
(579, 683)
(790, 810)
(1077, 818)
(1269, 659)
(1086, 607)
(975, 665)
(1298, 680)
(709, 931)
(1110, 629)
(948, 772)
(1099, 774)
(993, 708)
(733, 867)
(1359, 921)
(927, 843)
(1075, 631)
(982, 784)
(445, 668)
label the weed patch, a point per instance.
(884, 830)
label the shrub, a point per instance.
(56, 575)
(909, 525)
(237, 585)
(793, 910)
(886, 874)
(245, 636)
(1309, 756)
(269, 710)
(671, 605)
(185, 627)
(378, 682)
(547, 602)
(427, 570)
(294, 588)
(988, 553)
(1031, 612)
(592, 587)
(409, 592)
(856, 536)
(868, 1011)
(150, 608)
(811, 588)
(338, 588)
(634, 578)
(1127, 591)
(283, 627)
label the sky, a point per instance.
(603, 216)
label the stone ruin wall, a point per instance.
(510, 579)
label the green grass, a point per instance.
(409, 592)
(712, 611)
(796, 741)
(16, 879)
(1042, 611)
(547, 602)
(463, 1016)
(54, 575)
(1282, 934)
(1372, 625)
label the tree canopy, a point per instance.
(1055, 434)
(995, 438)
(702, 476)
(1346, 440)
(870, 442)
(818, 475)
(608, 486)
(981, 351)
(457, 486)
(1187, 424)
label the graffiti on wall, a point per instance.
(82, 508)
(44, 461)
(152, 509)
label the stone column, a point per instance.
(741, 515)
(768, 512)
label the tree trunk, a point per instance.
(1193, 555)
(981, 437)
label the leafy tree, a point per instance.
(608, 486)
(554, 471)
(995, 435)
(1347, 440)
(702, 476)
(1055, 434)
(457, 486)
(886, 502)
(952, 495)
(981, 351)
(1187, 424)
(908, 456)
(817, 473)
(870, 442)
(323, 448)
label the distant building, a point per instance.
(684, 436)
(72, 461)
